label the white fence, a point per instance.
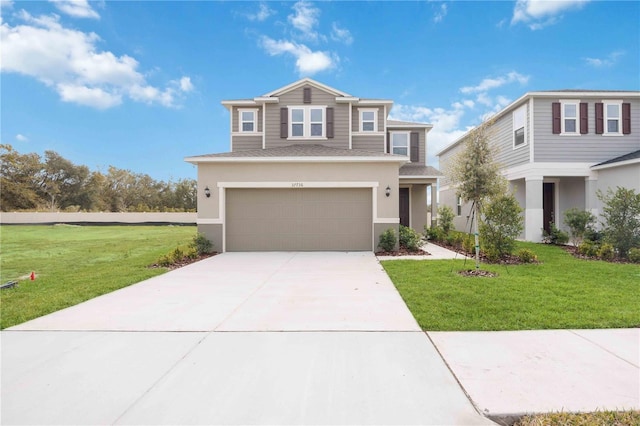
(33, 218)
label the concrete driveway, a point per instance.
(240, 338)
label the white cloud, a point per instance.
(341, 34)
(441, 13)
(69, 61)
(6, 4)
(21, 138)
(538, 14)
(492, 83)
(608, 61)
(305, 19)
(262, 14)
(76, 8)
(308, 62)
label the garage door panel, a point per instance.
(298, 219)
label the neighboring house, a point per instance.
(313, 168)
(557, 149)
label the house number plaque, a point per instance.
(297, 185)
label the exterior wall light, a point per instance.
(207, 192)
(387, 191)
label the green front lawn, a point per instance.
(561, 292)
(76, 263)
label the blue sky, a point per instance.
(138, 85)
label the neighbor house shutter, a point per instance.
(599, 118)
(626, 118)
(284, 123)
(584, 118)
(330, 122)
(306, 95)
(415, 147)
(556, 117)
(388, 143)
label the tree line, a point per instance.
(53, 183)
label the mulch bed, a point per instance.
(573, 250)
(403, 252)
(184, 262)
(509, 259)
(477, 273)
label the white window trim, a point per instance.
(605, 129)
(361, 112)
(524, 126)
(255, 121)
(306, 123)
(391, 144)
(562, 117)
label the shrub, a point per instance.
(445, 218)
(469, 243)
(433, 233)
(588, 248)
(455, 238)
(387, 241)
(501, 225)
(593, 235)
(606, 252)
(621, 213)
(527, 256)
(634, 255)
(579, 223)
(201, 244)
(555, 236)
(408, 238)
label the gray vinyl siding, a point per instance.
(355, 112)
(422, 141)
(372, 142)
(588, 148)
(318, 97)
(241, 143)
(444, 163)
(502, 139)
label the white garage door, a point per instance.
(301, 219)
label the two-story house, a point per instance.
(557, 149)
(313, 168)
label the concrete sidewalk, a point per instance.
(510, 373)
(435, 251)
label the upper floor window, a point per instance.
(519, 119)
(368, 120)
(612, 117)
(307, 122)
(400, 143)
(248, 120)
(570, 117)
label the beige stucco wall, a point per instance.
(418, 207)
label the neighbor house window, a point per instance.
(248, 120)
(519, 119)
(459, 206)
(569, 118)
(307, 122)
(400, 143)
(368, 120)
(612, 117)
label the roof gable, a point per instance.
(306, 81)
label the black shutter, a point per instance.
(626, 118)
(556, 118)
(415, 147)
(584, 118)
(284, 122)
(388, 143)
(599, 118)
(330, 122)
(306, 95)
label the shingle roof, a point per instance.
(630, 156)
(392, 123)
(417, 170)
(298, 151)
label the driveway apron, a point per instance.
(240, 338)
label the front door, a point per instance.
(548, 205)
(404, 206)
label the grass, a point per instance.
(598, 418)
(561, 292)
(76, 263)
